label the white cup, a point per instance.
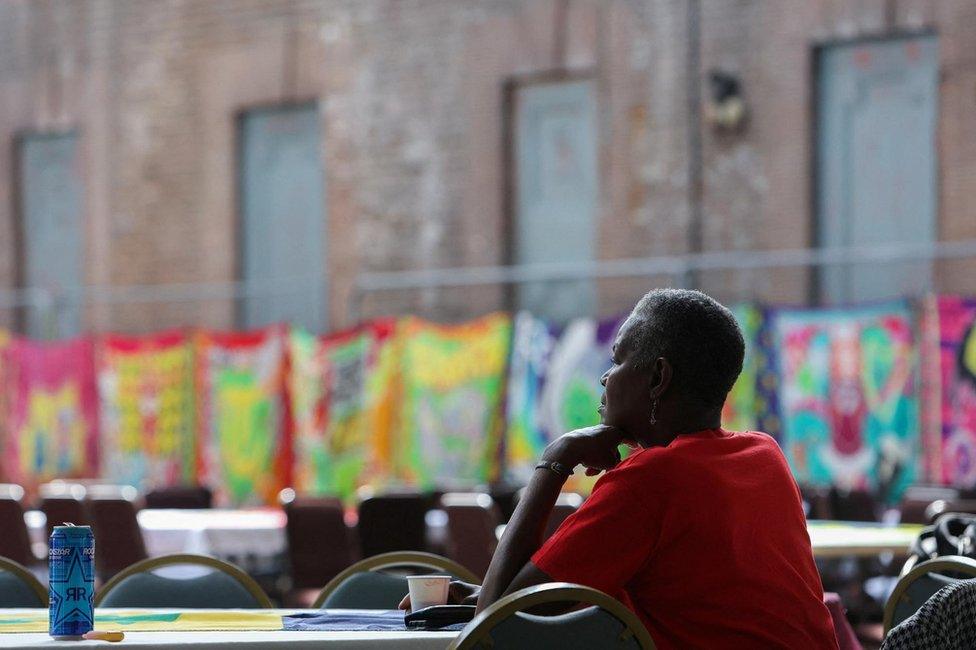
(429, 590)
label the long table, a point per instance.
(253, 539)
(236, 628)
(856, 539)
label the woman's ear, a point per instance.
(661, 373)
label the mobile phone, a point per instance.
(438, 616)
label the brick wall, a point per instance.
(411, 99)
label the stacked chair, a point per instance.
(320, 545)
(62, 503)
(113, 509)
(392, 522)
(188, 497)
(15, 541)
(472, 518)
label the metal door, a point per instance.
(283, 218)
(876, 162)
(556, 186)
(52, 209)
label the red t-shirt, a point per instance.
(705, 540)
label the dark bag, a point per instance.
(953, 533)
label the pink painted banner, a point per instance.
(956, 464)
(52, 423)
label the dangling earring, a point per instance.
(654, 412)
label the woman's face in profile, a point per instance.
(626, 402)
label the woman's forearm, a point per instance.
(523, 534)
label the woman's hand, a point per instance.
(459, 593)
(593, 447)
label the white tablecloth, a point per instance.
(248, 537)
(407, 640)
(225, 640)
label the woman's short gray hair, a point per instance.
(698, 336)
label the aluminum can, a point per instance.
(71, 563)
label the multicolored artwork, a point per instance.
(146, 394)
(451, 423)
(741, 408)
(340, 416)
(244, 443)
(848, 395)
(955, 458)
(554, 387)
(532, 344)
(52, 426)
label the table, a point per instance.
(856, 539)
(238, 638)
(849, 538)
(253, 539)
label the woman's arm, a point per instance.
(523, 534)
(594, 447)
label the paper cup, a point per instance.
(426, 591)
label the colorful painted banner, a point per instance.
(554, 387)
(341, 409)
(147, 410)
(848, 396)
(955, 456)
(532, 344)
(741, 408)
(52, 426)
(244, 439)
(452, 390)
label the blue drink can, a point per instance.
(71, 562)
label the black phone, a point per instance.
(438, 616)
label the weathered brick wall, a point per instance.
(411, 98)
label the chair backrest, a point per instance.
(206, 583)
(15, 541)
(319, 542)
(355, 588)
(922, 582)
(392, 522)
(606, 623)
(19, 587)
(189, 497)
(471, 521)
(566, 504)
(64, 507)
(853, 505)
(916, 502)
(116, 528)
(816, 502)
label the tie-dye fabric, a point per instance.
(146, 395)
(340, 417)
(452, 389)
(245, 447)
(848, 395)
(741, 411)
(53, 411)
(955, 458)
(554, 387)
(532, 344)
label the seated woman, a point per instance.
(700, 531)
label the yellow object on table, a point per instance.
(135, 620)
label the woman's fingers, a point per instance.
(405, 603)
